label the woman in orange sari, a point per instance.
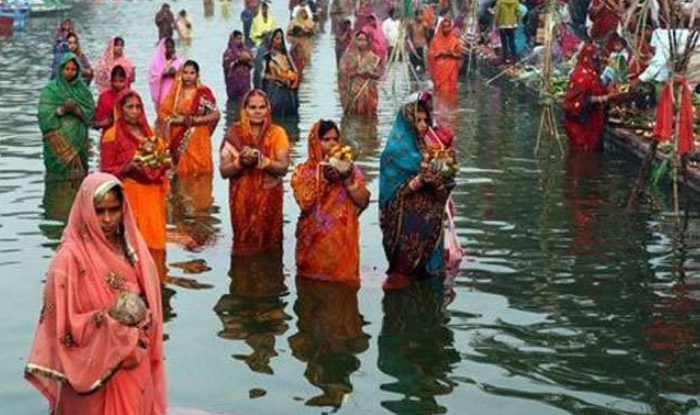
(188, 117)
(331, 201)
(131, 152)
(98, 346)
(445, 59)
(255, 157)
(360, 71)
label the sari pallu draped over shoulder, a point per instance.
(255, 197)
(106, 63)
(78, 350)
(159, 85)
(411, 221)
(236, 72)
(190, 147)
(65, 137)
(328, 230)
(444, 71)
(146, 190)
(583, 119)
(284, 98)
(359, 94)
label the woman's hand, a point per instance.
(332, 174)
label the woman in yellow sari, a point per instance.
(299, 33)
(188, 117)
(255, 157)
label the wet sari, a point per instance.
(77, 356)
(65, 137)
(300, 33)
(444, 70)
(411, 221)
(283, 96)
(146, 190)
(328, 230)
(262, 27)
(236, 70)
(255, 197)
(160, 84)
(359, 93)
(103, 70)
(190, 147)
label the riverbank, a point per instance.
(633, 141)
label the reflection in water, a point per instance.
(329, 339)
(363, 137)
(253, 311)
(416, 347)
(582, 181)
(191, 200)
(57, 202)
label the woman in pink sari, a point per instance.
(380, 46)
(113, 56)
(164, 67)
(98, 347)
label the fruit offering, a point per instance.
(153, 153)
(441, 161)
(341, 158)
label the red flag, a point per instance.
(663, 129)
(686, 135)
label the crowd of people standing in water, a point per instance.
(98, 346)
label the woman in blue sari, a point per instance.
(412, 197)
(277, 76)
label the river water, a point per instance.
(565, 304)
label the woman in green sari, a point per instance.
(66, 107)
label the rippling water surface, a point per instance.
(566, 303)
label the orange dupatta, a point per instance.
(444, 71)
(255, 197)
(328, 230)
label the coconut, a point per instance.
(129, 309)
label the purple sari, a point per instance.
(237, 73)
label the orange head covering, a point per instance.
(244, 135)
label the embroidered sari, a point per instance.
(328, 230)
(411, 221)
(283, 95)
(236, 70)
(146, 189)
(79, 348)
(65, 137)
(190, 147)
(160, 84)
(444, 70)
(255, 197)
(358, 81)
(103, 72)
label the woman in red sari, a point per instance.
(583, 104)
(328, 231)
(445, 58)
(123, 154)
(98, 347)
(255, 157)
(104, 112)
(188, 117)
